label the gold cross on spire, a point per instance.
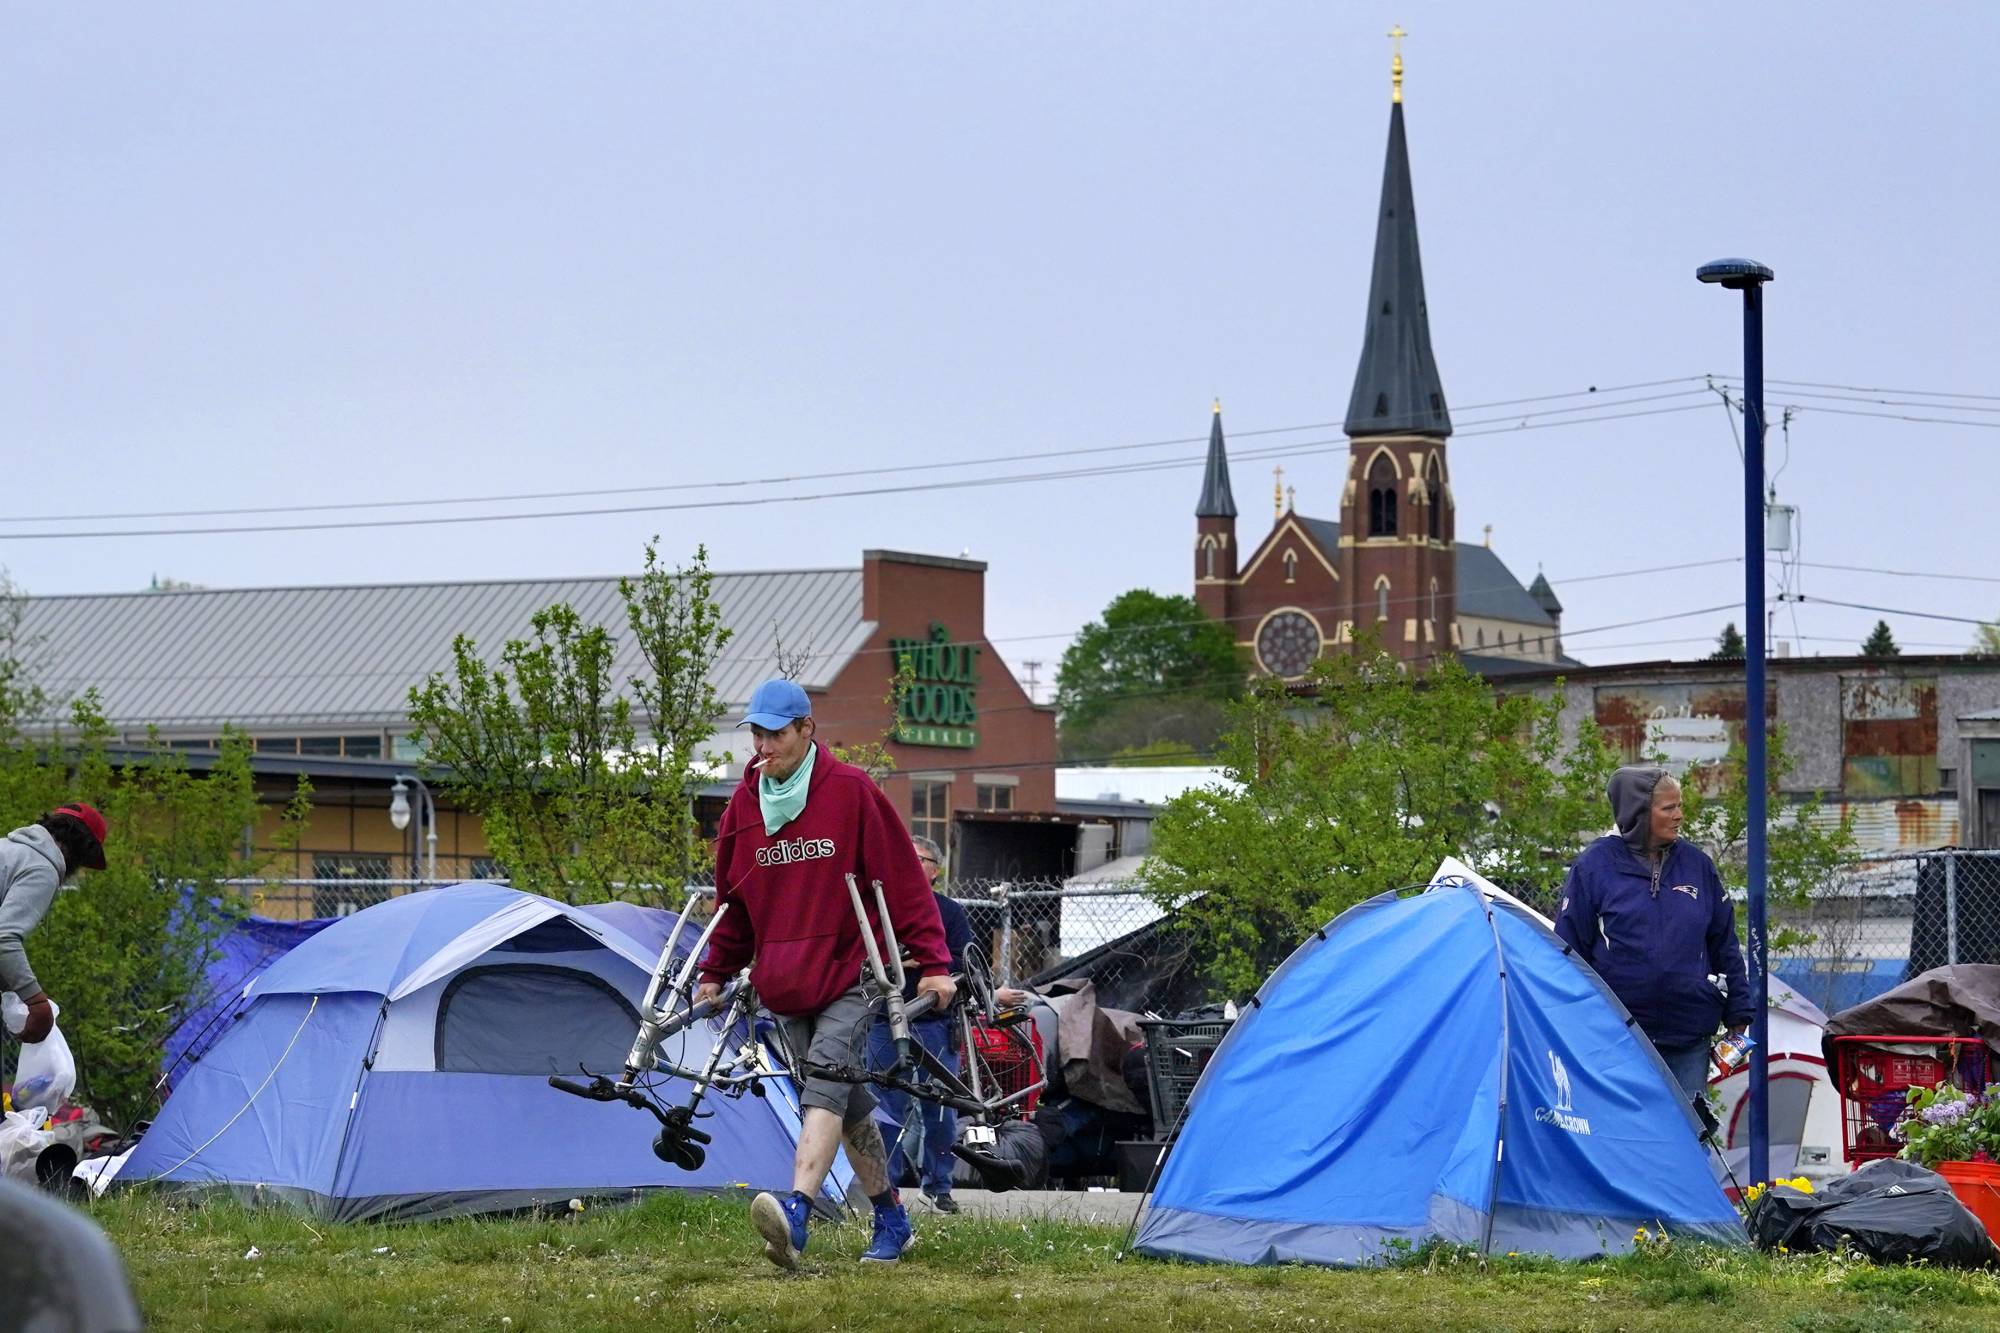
(1278, 492)
(1396, 35)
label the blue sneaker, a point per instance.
(892, 1235)
(782, 1224)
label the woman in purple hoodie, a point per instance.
(1649, 913)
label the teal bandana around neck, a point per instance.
(781, 802)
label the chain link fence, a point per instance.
(1028, 929)
(1885, 918)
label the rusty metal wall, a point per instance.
(1889, 736)
(1629, 714)
(1906, 824)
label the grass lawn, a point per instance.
(677, 1262)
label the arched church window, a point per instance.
(1291, 566)
(1480, 633)
(1381, 497)
(1208, 559)
(1434, 601)
(1434, 497)
(1382, 599)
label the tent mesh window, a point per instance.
(532, 1019)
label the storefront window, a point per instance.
(995, 796)
(930, 811)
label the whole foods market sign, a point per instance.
(941, 705)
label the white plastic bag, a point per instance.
(45, 1075)
(22, 1139)
(13, 1013)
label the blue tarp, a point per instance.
(291, 1103)
(1436, 1067)
(251, 946)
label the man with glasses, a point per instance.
(927, 1128)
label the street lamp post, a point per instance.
(1749, 277)
(399, 815)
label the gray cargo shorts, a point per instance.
(836, 1035)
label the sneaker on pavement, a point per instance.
(892, 1235)
(781, 1221)
(943, 1203)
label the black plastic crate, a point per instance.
(1177, 1051)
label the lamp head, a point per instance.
(399, 805)
(1735, 274)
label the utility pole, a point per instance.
(1749, 277)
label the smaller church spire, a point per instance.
(1216, 500)
(1544, 595)
(1278, 491)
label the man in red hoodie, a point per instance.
(799, 824)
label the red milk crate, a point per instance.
(1875, 1074)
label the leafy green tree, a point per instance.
(1803, 851)
(1366, 786)
(1153, 668)
(584, 782)
(22, 698)
(124, 951)
(1880, 643)
(1986, 639)
(1729, 645)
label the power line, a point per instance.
(1885, 610)
(1900, 573)
(1888, 402)
(1893, 416)
(1579, 393)
(1862, 388)
(797, 478)
(1824, 409)
(1278, 451)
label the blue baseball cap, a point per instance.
(776, 703)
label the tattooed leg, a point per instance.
(869, 1157)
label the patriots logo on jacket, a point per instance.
(1691, 890)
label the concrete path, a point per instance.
(1098, 1207)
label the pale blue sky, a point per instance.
(275, 254)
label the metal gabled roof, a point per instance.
(1485, 586)
(349, 655)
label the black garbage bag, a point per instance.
(1892, 1211)
(1018, 1159)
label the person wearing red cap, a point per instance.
(34, 862)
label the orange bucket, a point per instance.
(1977, 1185)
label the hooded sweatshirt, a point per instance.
(31, 870)
(789, 908)
(1655, 930)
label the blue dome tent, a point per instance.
(1436, 1067)
(396, 1065)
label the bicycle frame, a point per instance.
(669, 1008)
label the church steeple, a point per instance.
(1216, 500)
(1215, 530)
(1396, 388)
(1397, 567)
